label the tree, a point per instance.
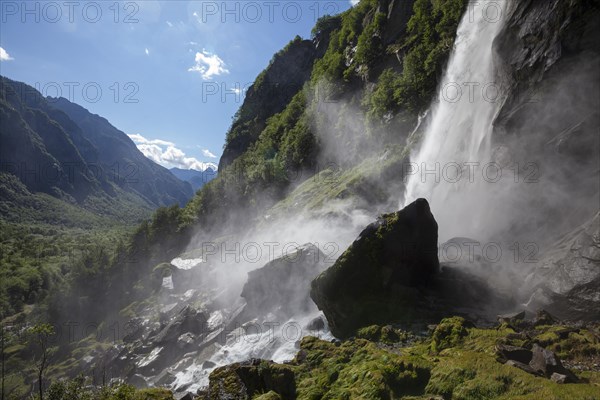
(40, 334)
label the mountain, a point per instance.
(59, 148)
(196, 178)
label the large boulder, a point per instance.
(245, 380)
(283, 285)
(377, 280)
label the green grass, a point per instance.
(455, 362)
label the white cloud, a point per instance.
(170, 24)
(147, 51)
(354, 2)
(168, 155)
(139, 139)
(208, 65)
(208, 153)
(4, 56)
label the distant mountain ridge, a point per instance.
(196, 178)
(57, 147)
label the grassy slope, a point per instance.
(454, 362)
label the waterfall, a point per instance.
(449, 168)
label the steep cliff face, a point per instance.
(548, 56)
(271, 92)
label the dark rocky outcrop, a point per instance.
(376, 279)
(391, 274)
(246, 379)
(283, 285)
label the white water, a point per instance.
(459, 131)
(277, 342)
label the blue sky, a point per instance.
(168, 73)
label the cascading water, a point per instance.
(451, 167)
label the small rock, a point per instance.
(208, 364)
(187, 339)
(164, 378)
(559, 378)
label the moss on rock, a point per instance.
(448, 333)
(383, 334)
(251, 378)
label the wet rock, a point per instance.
(316, 324)
(186, 320)
(246, 379)
(134, 330)
(376, 280)
(164, 378)
(283, 285)
(187, 396)
(185, 340)
(208, 364)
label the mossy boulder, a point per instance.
(383, 334)
(251, 379)
(377, 279)
(449, 333)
